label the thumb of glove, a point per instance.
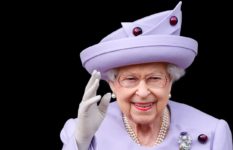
(103, 105)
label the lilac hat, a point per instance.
(155, 38)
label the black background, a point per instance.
(49, 79)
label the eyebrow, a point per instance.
(134, 74)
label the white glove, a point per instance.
(90, 115)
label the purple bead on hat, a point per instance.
(155, 38)
(137, 31)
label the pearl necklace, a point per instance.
(162, 132)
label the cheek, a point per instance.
(161, 104)
(124, 106)
(162, 96)
(124, 97)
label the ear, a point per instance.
(112, 86)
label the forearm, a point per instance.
(83, 143)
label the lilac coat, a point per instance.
(112, 134)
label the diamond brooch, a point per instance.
(184, 141)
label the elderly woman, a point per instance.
(140, 62)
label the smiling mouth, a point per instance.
(143, 106)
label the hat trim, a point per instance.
(137, 42)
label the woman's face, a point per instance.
(142, 91)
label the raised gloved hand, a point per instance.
(90, 115)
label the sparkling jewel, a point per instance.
(185, 141)
(173, 20)
(202, 138)
(162, 132)
(137, 31)
(183, 133)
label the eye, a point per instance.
(128, 79)
(155, 78)
(131, 78)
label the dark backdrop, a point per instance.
(57, 32)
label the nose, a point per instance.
(142, 90)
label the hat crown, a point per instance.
(155, 24)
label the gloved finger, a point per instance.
(103, 105)
(95, 75)
(85, 106)
(91, 92)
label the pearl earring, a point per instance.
(113, 96)
(169, 96)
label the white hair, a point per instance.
(174, 71)
(112, 74)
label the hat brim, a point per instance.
(177, 50)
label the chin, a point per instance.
(143, 119)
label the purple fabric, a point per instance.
(159, 42)
(113, 136)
